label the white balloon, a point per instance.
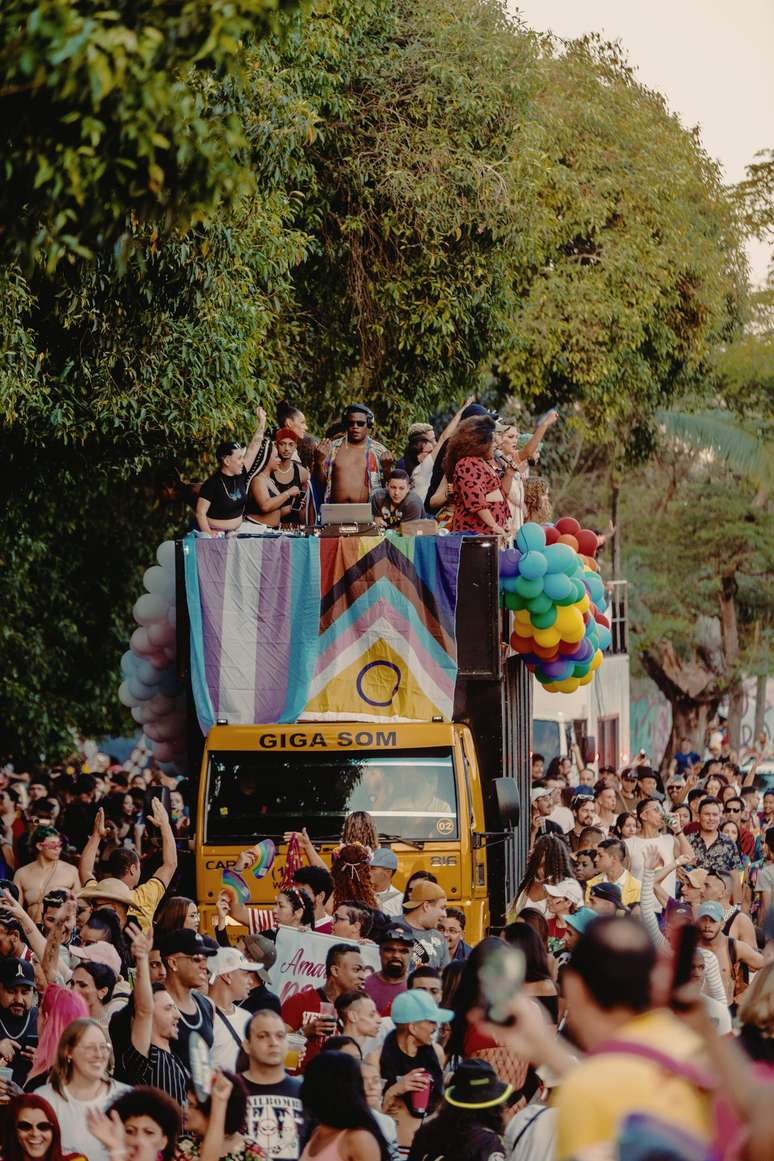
(156, 580)
(140, 643)
(154, 732)
(165, 554)
(150, 607)
(172, 616)
(125, 695)
(140, 712)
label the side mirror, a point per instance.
(506, 796)
(589, 750)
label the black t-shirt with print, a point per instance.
(227, 494)
(275, 1117)
(431, 1143)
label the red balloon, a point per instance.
(568, 524)
(521, 644)
(566, 538)
(587, 542)
(601, 619)
(552, 534)
(546, 654)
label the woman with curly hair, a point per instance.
(550, 862)
(351, 871)
(480, 495)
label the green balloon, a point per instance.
(580, 589)
(529, 588)
(572, 599)
(581, 669)
(512, 601)
(543, 620)
(540, 604)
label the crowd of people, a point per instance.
(474, 477)
(640, 1018)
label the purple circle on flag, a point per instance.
(372, 665)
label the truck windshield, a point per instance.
(409, 795)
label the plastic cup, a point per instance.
(420, 1098)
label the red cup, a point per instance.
(420, 1098)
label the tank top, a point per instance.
(252, 510)
(200, 1022)
(293, 517)
(330, 1152)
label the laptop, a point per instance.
(346, 514)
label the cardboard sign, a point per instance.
(300, 960)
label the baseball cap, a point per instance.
(609, 891)
(99, 952)
(696, 876)
(398, 931)
(411, 1007)
(580, 920)
(566, 889)
(16, 973)
(420, 429)
(384, 857)
(712, 910)
(187, 942)
(423, 891)
(539, 792)
(582, 792)
(230, 959)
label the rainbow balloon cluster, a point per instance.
(551, 582)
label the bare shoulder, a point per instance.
(360, 1145)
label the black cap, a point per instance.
(609, 891)
(187, 942)
(398, 930)
(16, 972)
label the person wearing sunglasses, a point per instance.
(47, 871)
(353, 467)
(32, 1132)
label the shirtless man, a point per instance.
(354, 467)
(718, 886)
(46, 872)
(710, 919)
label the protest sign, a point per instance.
(300, 960)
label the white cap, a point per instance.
(566, 889)
(230, 959)
(539, 792)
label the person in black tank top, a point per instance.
(286, 441)
(186, 955)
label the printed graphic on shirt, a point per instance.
(274, 1122)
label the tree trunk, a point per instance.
(691, 689)
(730, 634)
(615, 505)
(760, 707)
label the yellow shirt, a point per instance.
(630, 887)
(145, 900)
(599, 1092)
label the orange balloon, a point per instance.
(544, 653)
(568, 538)
(521, 644)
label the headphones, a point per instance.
(359, 407)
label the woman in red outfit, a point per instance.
(480, 495)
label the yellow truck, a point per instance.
(444, 795)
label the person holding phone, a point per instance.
(18, 1017)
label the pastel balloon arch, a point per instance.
(149, 686)
(551, 582)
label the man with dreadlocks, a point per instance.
(550, 862)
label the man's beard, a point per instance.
(393, 971)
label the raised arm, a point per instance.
(142, 1023)
(168, 845)
(648, 900)
(64, 920)
(90, 851)
(254, 446)
(451, 427)
(212, 1146)
(35, 939)
(529, 449)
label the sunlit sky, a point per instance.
(711, 59)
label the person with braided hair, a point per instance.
(351, 870)
(550, 862)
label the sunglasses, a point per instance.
(733, 810)
(28, 1126)
(357, 423)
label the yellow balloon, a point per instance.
(547, 637)
(569, 622)
(521, 617)
(522, 629)
(552, 687)
(584, 604)
(569, 685)
(589, 677)
(596, 661)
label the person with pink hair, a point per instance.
(58, 1008)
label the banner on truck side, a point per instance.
(300, 960)
(347, 629)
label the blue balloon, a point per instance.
(556, 585)
(509, 562)
(531, 538)
(127, 663)
(508, 583)
(605, 638)
(533, 565)
(140, 691)
(560, 558)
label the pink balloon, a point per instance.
(159, 659)
(161, 634)
(139, 643)
(152, 731)
(164, 751)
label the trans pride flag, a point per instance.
(359, 629)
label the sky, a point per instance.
(711, 59)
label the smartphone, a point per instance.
(6, 1076)
(500, 977)
(685, 950)
(156, 792)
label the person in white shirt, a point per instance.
(79, 1081)
(669, 846)
(232, 976)
(384, 864)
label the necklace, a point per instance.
(234, 497)
(198, 1024)
(16, 1035)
